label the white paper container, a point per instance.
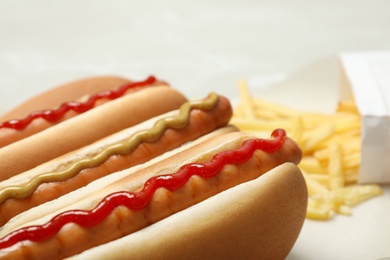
(365, 77)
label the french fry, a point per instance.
(351, 195)
(335, 167)
(317, 138)
(247, 100)
(343, 210)
(322, 179)
(297, 130)
(348, 106)
(319, 211)
(314, 186)
(331, 145)
(260, 124)
(311, 165)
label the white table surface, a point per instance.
(198, 47)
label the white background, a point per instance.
(200, 46)
(195, 45)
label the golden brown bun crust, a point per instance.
(67, 92)
(260, 219)
(86, 128)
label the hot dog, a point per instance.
(67, 92)
(166, 189)
(243, 162)
(66, 101)
(254, 228)
(139, 144)
(86, 128)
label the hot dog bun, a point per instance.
(121, 221)
(87, 128)
(264, 225)
(59, 104)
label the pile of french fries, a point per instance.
(331, 145)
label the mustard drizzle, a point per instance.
(122, 148)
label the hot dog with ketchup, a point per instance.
(133, 203)
(85, 128)
(63, 102)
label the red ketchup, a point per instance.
(53, 115)
(139, 200)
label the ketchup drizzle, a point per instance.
(53, 115)
(139, 200)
